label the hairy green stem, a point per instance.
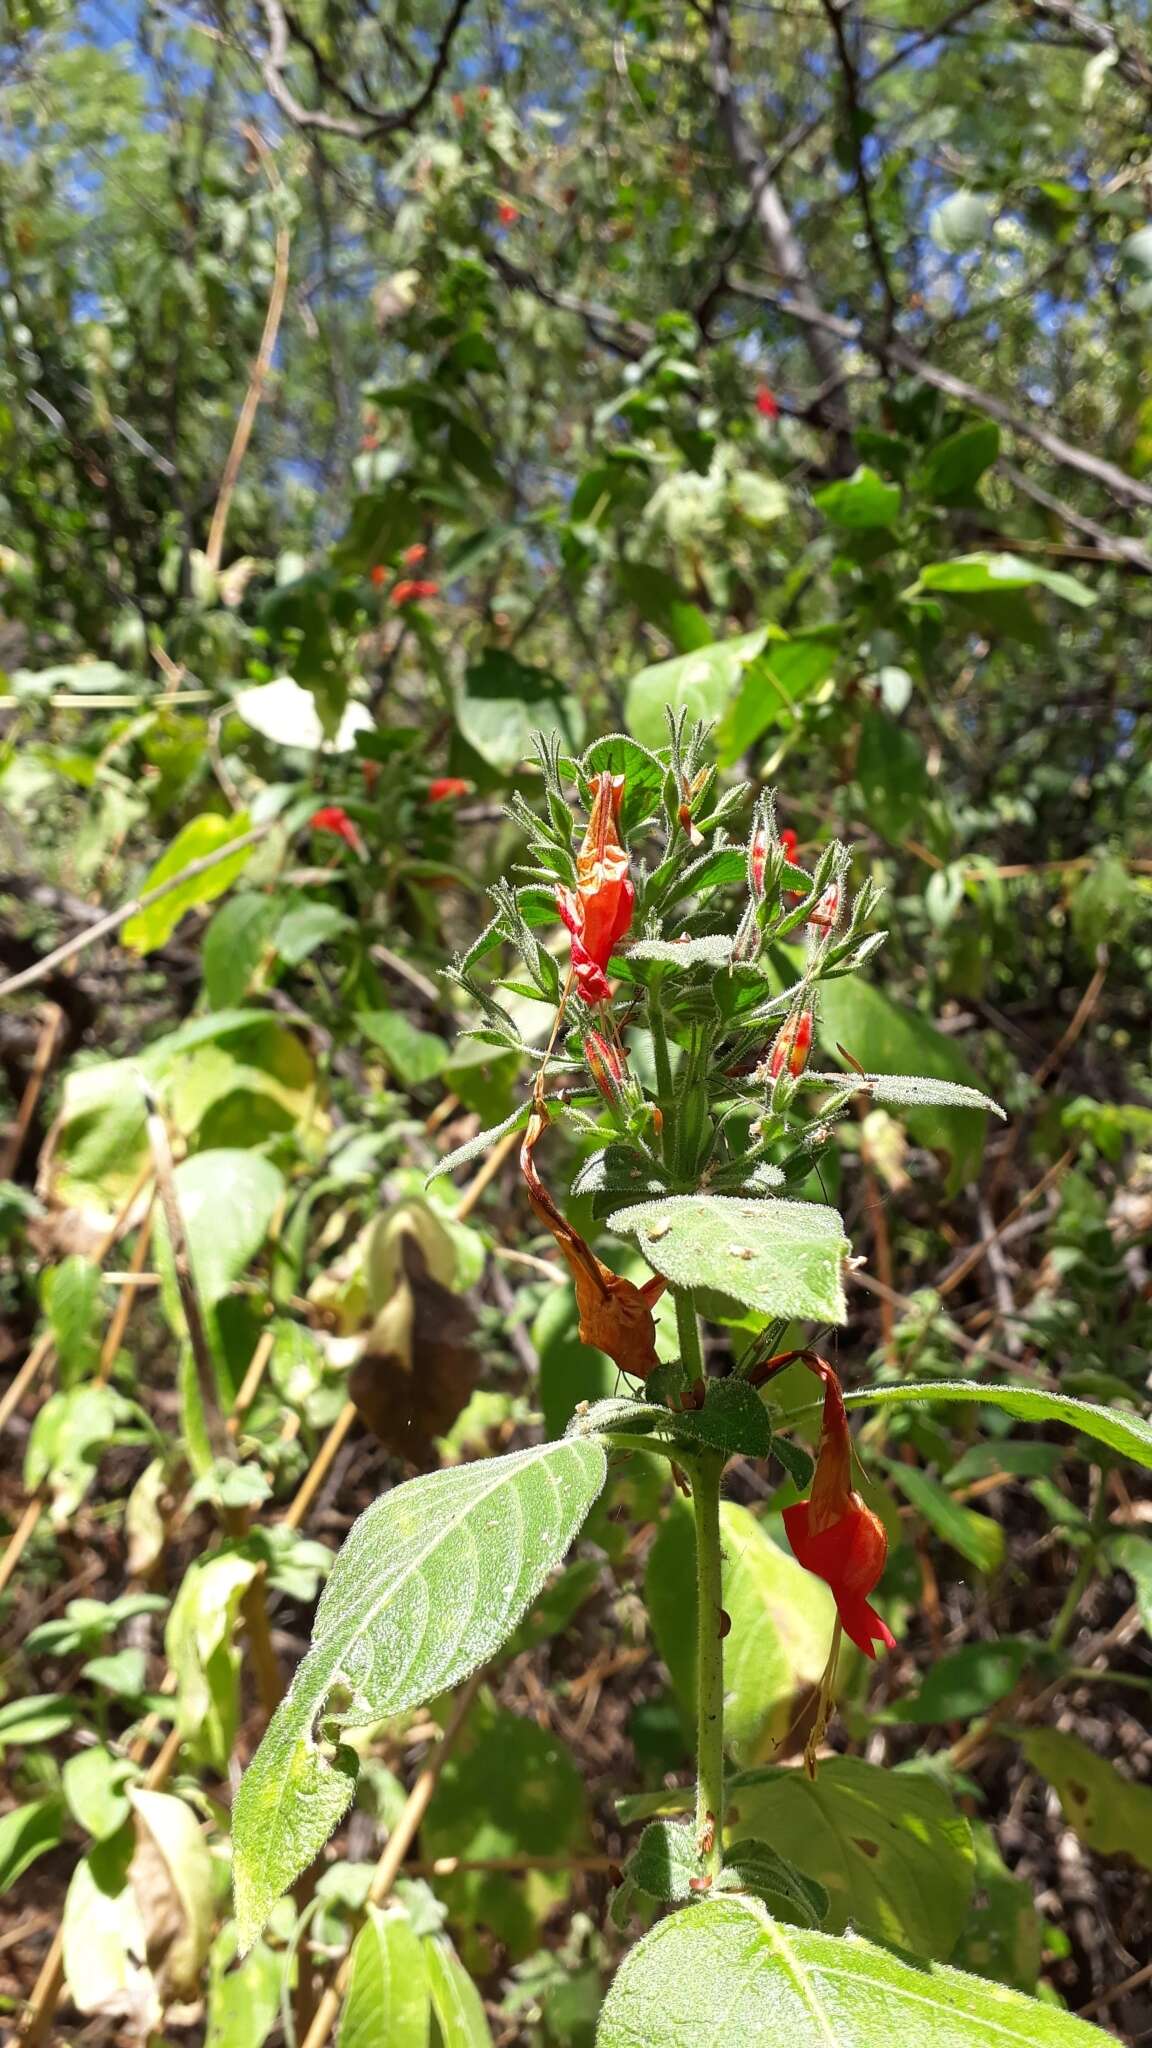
(688, 1331)
(706, 1472)
(663, 1062)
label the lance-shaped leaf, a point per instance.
(1129, 1434)
(724, 1972)
(911, 1091)
(431, 1581)
(783, 1258)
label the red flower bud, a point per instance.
(446, 787)
(834, 1534)
(413, 556)
(607, 1064)
(507, 214)
(759, 861)
(331, 818)
(766, 404)
(828, 909)
(379, 574)
(408, 592)
(791, 1045)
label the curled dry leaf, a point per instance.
(418, 1368)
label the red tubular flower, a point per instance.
(599, 911)
(331, 818)
(791, 1045)
(789, 842)
(409, 592)
(766, 404)
(413, 556)
(834, 1534)
(445, 788)
(379, 574)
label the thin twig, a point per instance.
(262, 363)
(185, 1281)
(972, 1258)
(456, 1866)
(33, 1089)
(320, 1467)
(1083, 1012)
(854, 126)
(133, 1281)
(249, 1385)
(46, 1342)
(1104, 1998)
(80, 941)
(487, 1173)
(375, 122)
(41, 2007)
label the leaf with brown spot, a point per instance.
(1110, 1814)
(418, 1368)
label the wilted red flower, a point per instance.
(791, 1045)
(331, 818)
(413, 556)
(507, 214)
(833, 1533)
(446, 787)
(409, 592)
(615, 1316)
(766, 404)
(599, 911)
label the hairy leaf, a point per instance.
(431, 1581)
(724, 1972)
(783, 1258)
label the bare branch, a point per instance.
(260, 367)
(834, 10)
(373, 123)
(769, 211)
(1127, 490)
(1131, 63)
(80, 941)
(623, 337)
(771, 166)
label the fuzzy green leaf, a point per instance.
(1130, 1435)
(432, 1579)
(724, 1972)
(783, 1258)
